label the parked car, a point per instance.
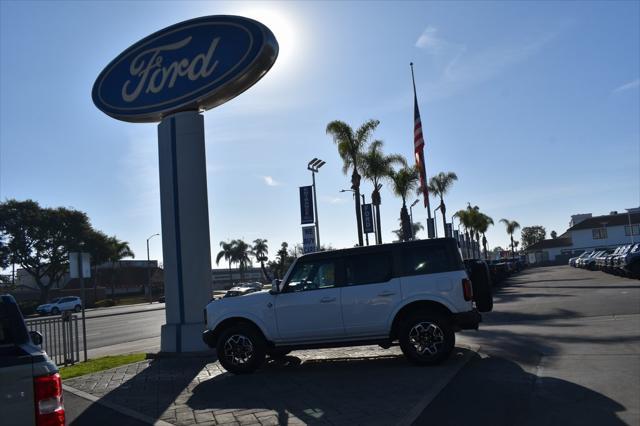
(415, 294)
(573, 261)
(30, 388)
(630, 264)
(61, 304)
(243, 288)
(588, 261)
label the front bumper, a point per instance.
(209, 338)
(467, 320)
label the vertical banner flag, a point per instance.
(367, 218)
(306, 205)
(448, 230)
(308, 239)
(418, 146)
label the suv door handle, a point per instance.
(386, 293)
(327, 299)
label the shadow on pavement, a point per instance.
(372, 390)
(498, 392)
(149, 391)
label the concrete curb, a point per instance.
(125, 313)
(415, 412)
(115, 407)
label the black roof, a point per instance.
(607, 220)
(552, 243)
(451, 242)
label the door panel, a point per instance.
(366, 308)
(309, 315)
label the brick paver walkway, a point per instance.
(361, 385)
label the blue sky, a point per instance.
(535, 105)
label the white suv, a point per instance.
(56, 306)
(416, 294)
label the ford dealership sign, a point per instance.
(190, 66)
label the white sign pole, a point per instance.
(185, 230)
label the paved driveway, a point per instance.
(364, 385)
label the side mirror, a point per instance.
(275, 286)
(36, 338)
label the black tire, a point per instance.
(421, 325)
(233, 346)
(481, 282)
(77, 308)
(278, 353)
(55, 311)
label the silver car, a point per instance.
(30, 386)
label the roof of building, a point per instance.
(606, 220)
(552, 243)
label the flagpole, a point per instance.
(415, 99)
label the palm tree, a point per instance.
(375, 167)
(483, 225)
(351, 146)
(260, 250)
(282, 256)
(440, 185)
(415, 228)
(467, 221)
(240, 252)
(405, 181)
(119, 250)
(512, 226)
(226, 253)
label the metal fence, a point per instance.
(60, 337)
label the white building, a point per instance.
(588, 232)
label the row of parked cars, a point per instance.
(503, 268)
(623, 260)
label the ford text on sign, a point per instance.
(306, 205)
(367, 218)
(191, 66)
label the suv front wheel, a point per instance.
(426, 338)
(241, 349)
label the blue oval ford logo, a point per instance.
(194, 65)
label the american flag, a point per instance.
(418, 146)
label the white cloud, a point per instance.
(270, 181)
(628, 86)
(332, 200)
(460, 67)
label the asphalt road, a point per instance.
(562, 347)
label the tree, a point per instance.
(511, 226)
(240, 252)
(351, 146)
(439, 185)
(484, 222)
(260, 250)
(39, 239)
(531, 235)
(405, 181)
(554, 234)
(226, 253)
(469, 219)
(415, 228)
(377, 166)
(118, 251)
(282, 257)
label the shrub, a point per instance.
(105, 303)
(28, 307)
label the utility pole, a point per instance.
(148, 273)
(411, 216)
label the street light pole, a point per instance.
(148, 272)
(313, 166)
(411, 216)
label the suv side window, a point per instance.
(426, 260)
(312, 275)
(368, 268)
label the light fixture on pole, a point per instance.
(411, 215)
(313, 166)
(148, 273)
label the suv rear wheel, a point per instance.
(55, 311)
(426, 338)
(241, 349)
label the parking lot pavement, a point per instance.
(561, 347)
(363, 385)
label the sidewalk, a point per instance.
(360, 385)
